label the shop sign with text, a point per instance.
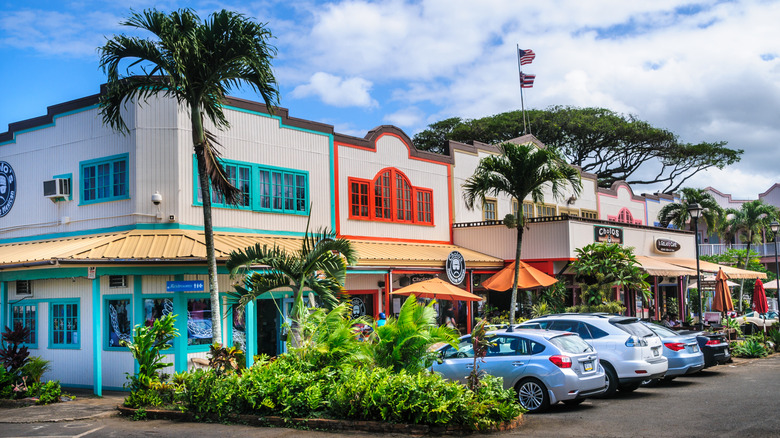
(608, 234)
(666, 245)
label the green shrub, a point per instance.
(140, 398)
(749, 348)
(35, 368)
(612, 307)
(47, 393)
(209, 394)
(6, 383)
(146, 347)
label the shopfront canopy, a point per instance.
(528, 277)
(438, 289)
(705, 266)
(659, 268)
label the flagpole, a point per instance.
(520, 72)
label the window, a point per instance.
(27, 316)
(515, 207)
(569, 211)
(625, 217)
(119, 325)
(424, 206)
(117, 281)
(239, 327)
(105, 179)
(156, 308)
(528, 210)
(64, 325)
(545, 210)
(390, 197)
(489, 208)
(262, 188)
(24, 287)
(589, 214)
(358, 198)
(199, 321)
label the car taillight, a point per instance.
(635, 341)
(713, 342)
(675, 346)
(561, 361)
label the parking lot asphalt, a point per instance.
(737, 399)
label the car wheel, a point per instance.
(611, 379)
(575, 402)
(628, 387)
(532, 395)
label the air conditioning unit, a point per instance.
(56, 188)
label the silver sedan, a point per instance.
(544, 367)
(682, 351)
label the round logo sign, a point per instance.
(7, 188)
(456, 267)
(358, 307)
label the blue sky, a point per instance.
(707, 71)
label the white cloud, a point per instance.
(410, 118)
(336, 91)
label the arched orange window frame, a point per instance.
(391, 198)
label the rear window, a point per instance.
(571, 344)
(632, 327)
(664, 332)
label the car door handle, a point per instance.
(469, 367)
(518, 363)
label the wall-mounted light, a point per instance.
(156, 198)
(572, 199)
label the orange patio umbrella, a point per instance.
(528, 277)
(437, 289)
(722, 300)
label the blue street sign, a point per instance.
(185, 286)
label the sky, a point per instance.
(705, 70)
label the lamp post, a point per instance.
(695, 211)
(775, 227)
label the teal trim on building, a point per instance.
(376, 271)
(138, 307)
(118, 178)
(49, 125)
(250, 332)
(4, 316)
(97, 353)
(109, 323)
(180, 343)
(70, 324)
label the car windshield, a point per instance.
(662, 331)
(571, 343)
(632, 327)
(465, 349)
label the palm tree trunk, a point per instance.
(513, 302)
(199, 139)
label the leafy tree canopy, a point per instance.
(614, 146)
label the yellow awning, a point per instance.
(706, 266)
(659, 268)
(189, 245)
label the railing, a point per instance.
(763, 250)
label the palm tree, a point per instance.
(750, 221)
(520, 171)
(319, 265)
(198, 64)
(677, 213)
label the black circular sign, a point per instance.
(456, 267)
(7, 188)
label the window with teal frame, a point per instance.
(104, 179)
(64, 324)
(199, 323)
(118, 321)
(27, 315)
(263, 188)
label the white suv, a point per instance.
(629, 351)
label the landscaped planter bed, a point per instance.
(322, 423)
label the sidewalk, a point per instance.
(85, 405)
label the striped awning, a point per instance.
(659, 268)
(706, 266)
(189, 245)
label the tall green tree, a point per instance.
(677, 213)
(197, 63)
(320, 265)
(750, 222)
(601, 266)
(520, 171)
(614, 146)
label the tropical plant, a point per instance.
(146, 347)
(540, 309)
(612, 307)
(320, 265)
(520, 171)
(13, 354)
(601, 266)
(678, 215)
(750, 221)
(749, 348)
(35, 368)
(405, 343)
(225, 359)
(480, 343)
(329, 338)
(554, 297)
(198, 63)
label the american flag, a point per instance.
(527, 81)
(525, 56)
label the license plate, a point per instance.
(695, 348)
(656, 352)
(588, 366)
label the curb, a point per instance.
(59, 420)
(326, 423)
